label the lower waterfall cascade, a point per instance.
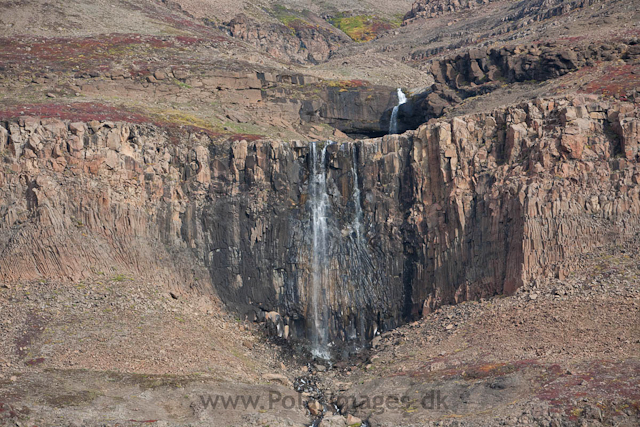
(319, 207)
(342, 271)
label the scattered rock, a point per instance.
(353, 421)
(315, 407)
(277, 378)
(333, 421)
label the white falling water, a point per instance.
(319, 206)
(354, 286)
(393, 123)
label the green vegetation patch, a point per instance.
(362, 28)
(289, 17)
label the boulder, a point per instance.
(333, 421)
(353, 421)
(630, 136)
(315, 407)
(279, 378)
(573, 145)
(475, 72)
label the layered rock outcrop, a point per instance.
(457, 210)
(354, 107)
(540, 10)
(433, 8)
(483, 70)
(299, 41)
(520, 63)
(264, 97)
(537, 10)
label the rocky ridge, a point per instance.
(432, 9)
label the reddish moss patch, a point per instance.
(91, 53)
(614, 385)
(34, 362)
(81, 111)
(469, 372)
(32, 329)
(347, 84)
(617, 81)
(572, 39)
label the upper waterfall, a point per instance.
(393, 123)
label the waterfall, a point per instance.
(319, 208)
(343, 277)
(393, 123)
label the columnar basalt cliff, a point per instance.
(322, 202)
(231, 218)
(456, 210)
(511, 196)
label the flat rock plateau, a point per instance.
(206, 221)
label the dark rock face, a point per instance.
(264, 216)
(457, 210)
(352, 107)
(482, 70)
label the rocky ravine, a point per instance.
(458, 210)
